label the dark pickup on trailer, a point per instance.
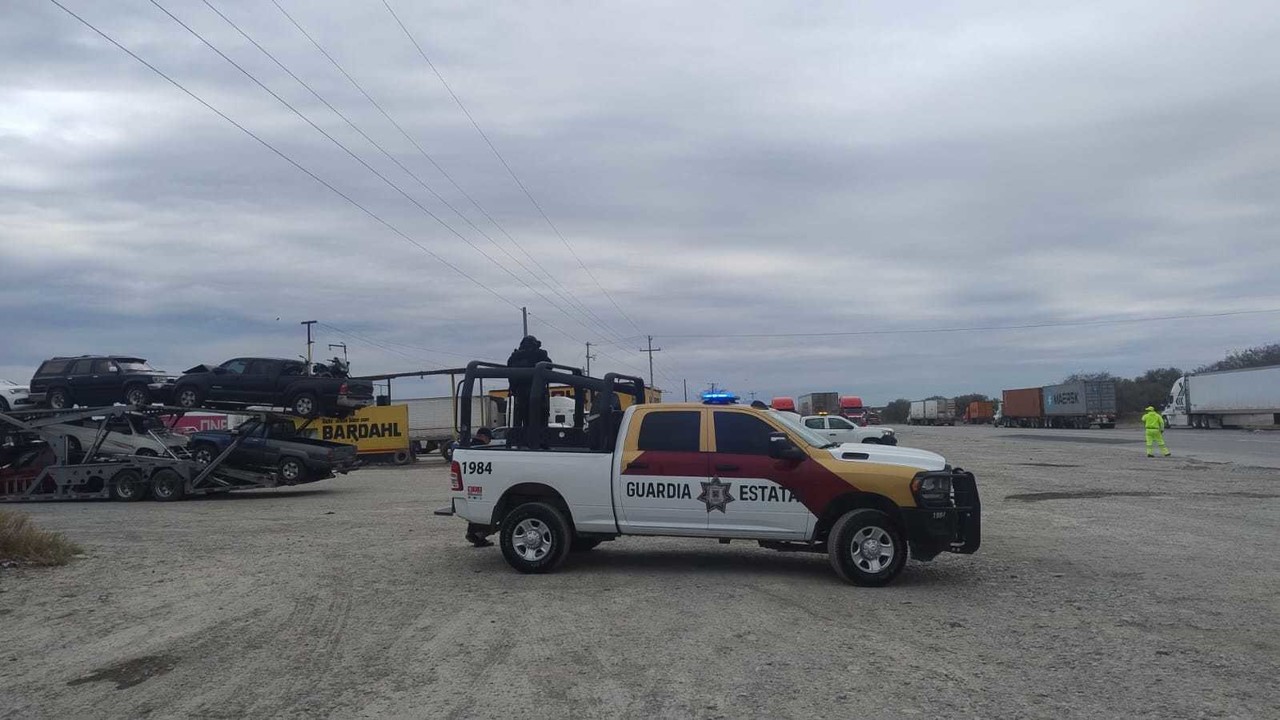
(270, 382)
(276, 445)
(92, 380)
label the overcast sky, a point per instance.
(720, 168)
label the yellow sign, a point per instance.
(374, 429)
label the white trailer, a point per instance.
(433, 421)
(932, 412)
(915, 416)
(1229, 398)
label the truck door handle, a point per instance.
(637, 466)
(727, 468)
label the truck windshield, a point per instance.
(793, 424)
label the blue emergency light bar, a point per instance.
(719, 398)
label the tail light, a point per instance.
(342, 389)
(455, 476)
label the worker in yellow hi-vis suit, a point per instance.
(1154, 423)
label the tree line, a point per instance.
(1132, 394)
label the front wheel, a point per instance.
(187, 396)
(535, 538)
(866, 548)
(59, 399)
(204, 453)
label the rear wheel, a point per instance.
(168, 486)
(292, 470)
(59, 399)
(305, 405)
(137, 395)
(866, 548)
(535, 538)
(402, 457)
(128, 486)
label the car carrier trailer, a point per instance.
(39, 462)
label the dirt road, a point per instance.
(1108, 585)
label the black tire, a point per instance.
(204, 453)
(167, 485)
(4, 405)
(306, 405)
(74, 448)
(187, 396)
(137, 395)
(128, 486)
(58, 399)
(554, 538)
(873, 565)
(402, 457)
(146, 452)
(292, 470)
(584, 544)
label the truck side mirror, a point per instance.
(781, 447)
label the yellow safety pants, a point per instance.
(1155, 437)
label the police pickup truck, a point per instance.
(721, 471)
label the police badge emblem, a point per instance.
(716, 494)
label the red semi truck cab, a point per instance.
(851, 408)
(784, 404)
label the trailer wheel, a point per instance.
(128, 486)
(292, 471)
(168, 486)
(535, 538)
(866, 548)
(402, 457)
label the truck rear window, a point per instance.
(670, 431)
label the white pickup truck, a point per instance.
(717, 471)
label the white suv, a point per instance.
(11, 395)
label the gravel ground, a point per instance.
(1108, 585)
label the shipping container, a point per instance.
(1229, 398)
(1022, 408)
(932, 412)
(821, 403)
(979, 411)
(1080, 404)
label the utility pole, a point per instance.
(686, 389)
(590, 357)
(524, 313)
(651, 350)
(309, 323)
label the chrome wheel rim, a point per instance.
(187, 398)
(872, 549)
(204, 456)
(290, 471)
(58, 401)
(304, 406)
(531, 539)
(136, 397)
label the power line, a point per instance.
(975, 328)
(377, 145)
(570, 300)
(507, 166)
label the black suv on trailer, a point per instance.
(90, 380)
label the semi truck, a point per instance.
(1228, 398)
(852, 409)
(1079, 405)
(932, 412)
(819, 403)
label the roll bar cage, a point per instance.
(540, 378)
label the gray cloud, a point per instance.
(721, 168)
